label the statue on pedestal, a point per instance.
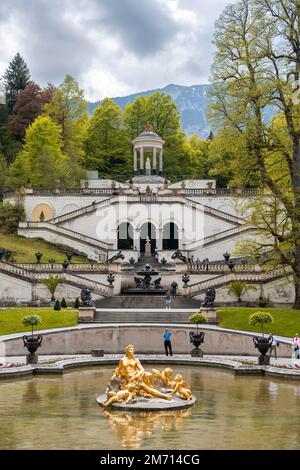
(148, 167)
(148, 248)
(131, 383)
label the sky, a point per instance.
(111, 47)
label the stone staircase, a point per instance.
(145, 301)
(144, 315)
(225, 279)
(69, 278)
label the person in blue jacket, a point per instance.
(167, 342)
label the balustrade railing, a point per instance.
(67, 232)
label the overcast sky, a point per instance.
(112, 47)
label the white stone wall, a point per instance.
(16, 290)
(279, 291)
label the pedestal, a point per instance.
(211, 314)
(197, 352)
(32, 358)
(86, 314)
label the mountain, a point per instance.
(191, 101)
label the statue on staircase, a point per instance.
(119, 255)
(210, 295)
(178, 254)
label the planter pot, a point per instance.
(263, 345)
(32, 343)
(197, 340)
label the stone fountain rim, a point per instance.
(151, 404)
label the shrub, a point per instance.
(239, 288)
(63, 303)
(260, 318)
(57, 305)
(31, 320)
(198, 318)
(77, 303)
(51, 284)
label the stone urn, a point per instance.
(263, 345)
(32, 343)
(197, 339)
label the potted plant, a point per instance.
(261, 343)
(239, 288)
(51, 284)
(197, 338)
(33, 342)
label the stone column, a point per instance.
(135, 162)
(154, 161)
(141, 161)
(161, 162)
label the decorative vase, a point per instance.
(263, 345)
(197, 339)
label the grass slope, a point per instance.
(24, 249)
(10, 319)
(286, 321)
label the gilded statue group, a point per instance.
(130, 381)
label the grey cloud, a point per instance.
(143, 27)
(150, 47)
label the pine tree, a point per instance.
(63, 303)
(77, 303)
(16, 77)
(57, 305)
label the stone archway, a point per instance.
(42, 213)
(170, 237)
(147, 230)
(125, 236)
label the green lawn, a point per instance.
(10, 319)
(24, 249)
(286, 320)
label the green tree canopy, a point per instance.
(41, 159)
(68, 108)
(16, 77)
(108, 147)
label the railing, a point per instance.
(68, 233)
(217, 213)
(68, 278)
(221, 266)
(62, 192)
(216, 237)
(222, 192)
(110, 191)
(58, 268)
(82, 211)
(251, 277)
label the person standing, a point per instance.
(167, 342)
(273, 345)
(168, 299)
(173, 289)
(296, 346)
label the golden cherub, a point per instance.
(182, 388)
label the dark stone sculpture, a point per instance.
(138, 282)
(86, 298)
(210, 295)
(157, 284)
(111, 279)
(178, 254)
(119, 255)
(185, 279)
